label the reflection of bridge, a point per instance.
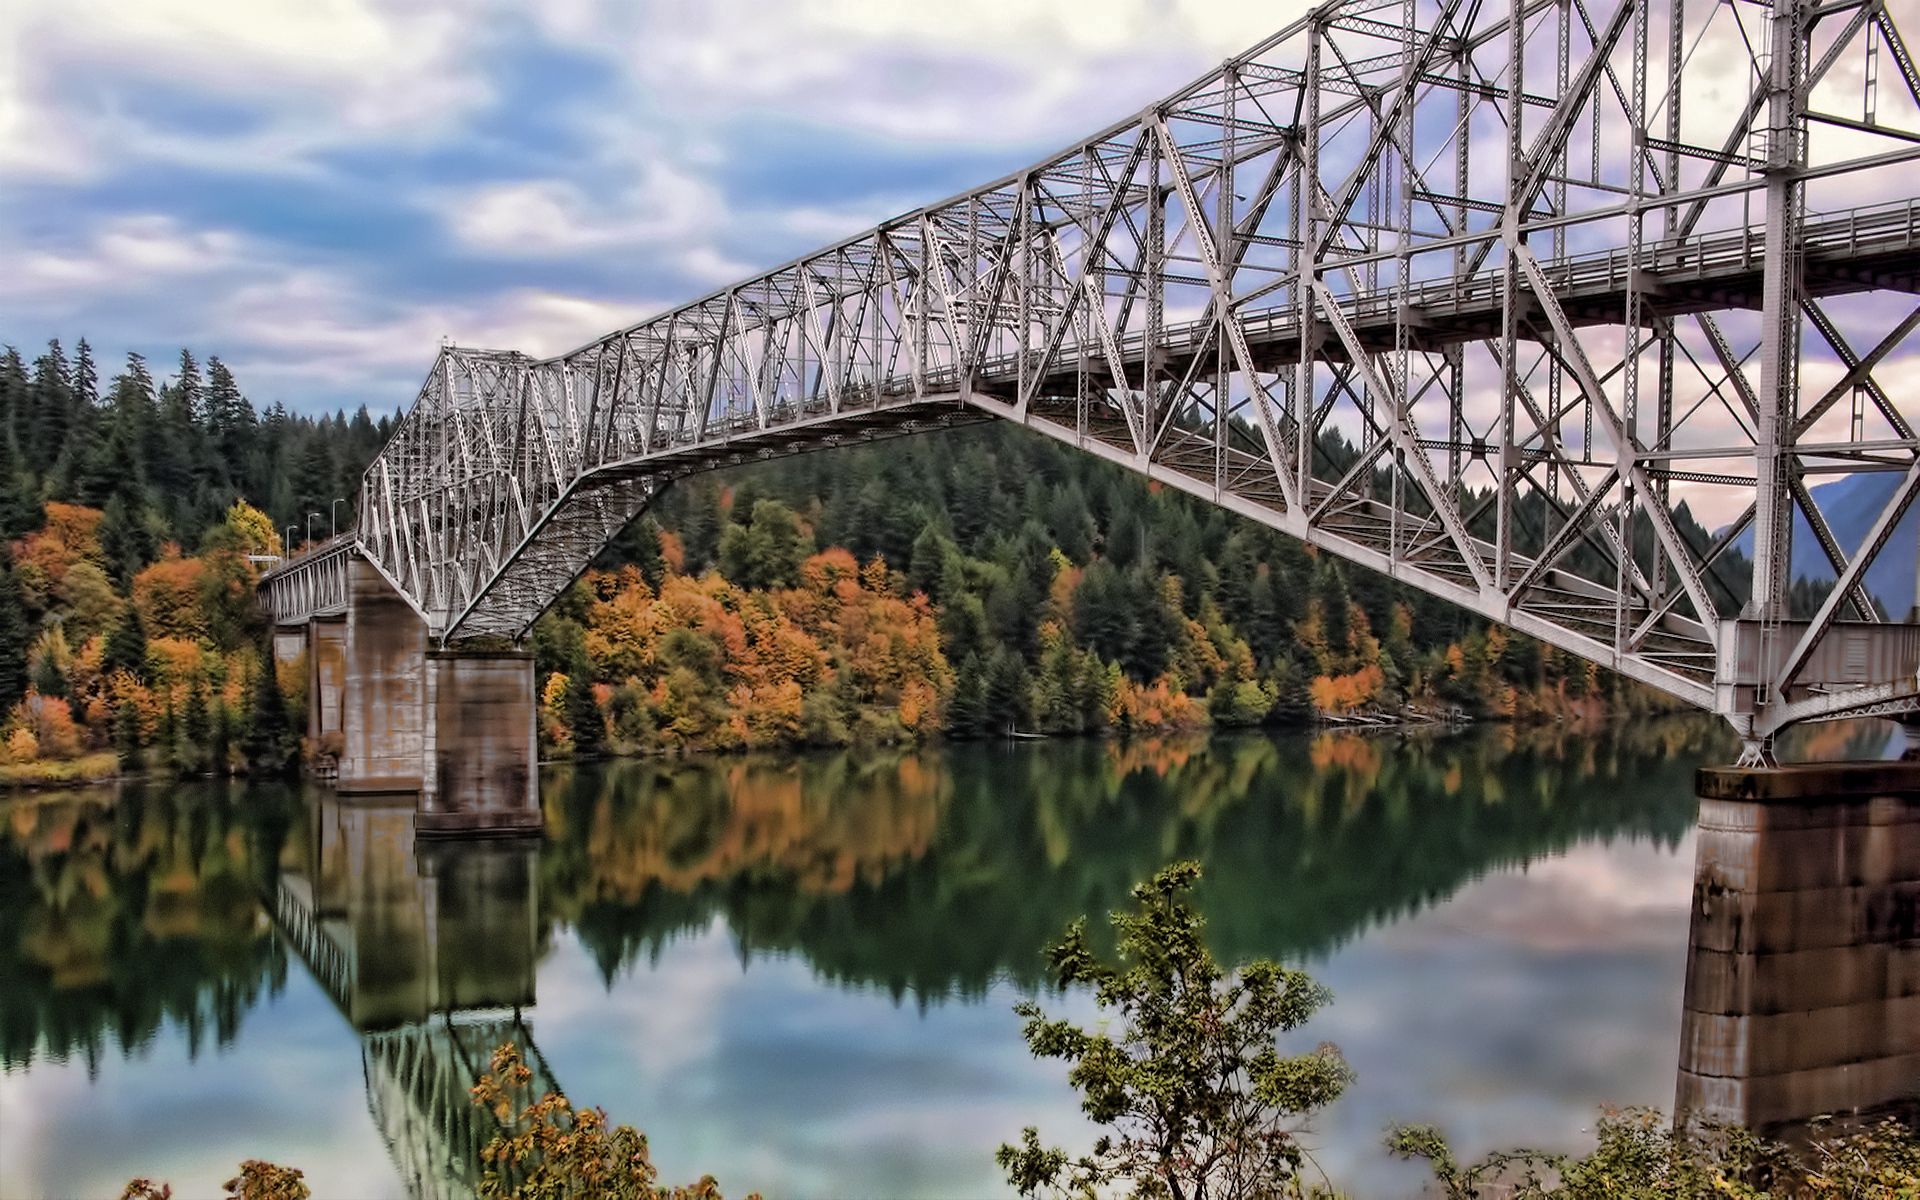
(1465, 239)
(430, 957)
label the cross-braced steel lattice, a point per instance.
(1506, 300)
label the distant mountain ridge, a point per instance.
(1850, 505)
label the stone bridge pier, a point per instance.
(1803, 967)
(453, 726)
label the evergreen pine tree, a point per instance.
(126, 648)
(17, 508)
(271, 745)
(583, 714)
(169, 733)
(126, 539)
(51, 416)
(14, 638)
(15, 395)
(86, 376)
(196, 728)
(220, 739)
(126, 734)
(48, 678)
(966, 710)
(1004, 692)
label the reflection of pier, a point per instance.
(1803, 970)
(429, 953)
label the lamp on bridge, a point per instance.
(310, 519)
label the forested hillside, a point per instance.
(126, 599)
(973, 582)
(1067, 596)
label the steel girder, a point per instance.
(1474, 294)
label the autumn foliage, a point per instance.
(703, 663)
(161, 674)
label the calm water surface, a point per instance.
(798, 974)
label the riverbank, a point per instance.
(101, 767)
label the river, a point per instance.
(797, 973)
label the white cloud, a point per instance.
(293, 329)
(127, 254)
(313, 329)
(669, 218)
(987, 72)
(540, 217)
(295, 76)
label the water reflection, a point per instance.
(120, 915)
(429, 951)
(930, 876)
(936, 873)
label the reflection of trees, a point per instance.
(681, 842)
(938, 872)
(119, 914)
(934, 871)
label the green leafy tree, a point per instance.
(768, 550)
(1185, 1071)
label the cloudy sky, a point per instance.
(319, 191)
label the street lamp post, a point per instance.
(333, 521)
(310, 517)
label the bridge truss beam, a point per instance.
(1491, 297)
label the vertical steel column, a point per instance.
(1512, 237)
(1229, 260)
(1780, 323)
(1633, 319)
(1306, 255)
(1454, 355)
(1155, 284)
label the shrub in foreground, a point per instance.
(1186, 1071)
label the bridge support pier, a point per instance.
(326, 678)
(1803, 969)
(455, 728)
(479, 766)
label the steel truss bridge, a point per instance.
(1474, 294)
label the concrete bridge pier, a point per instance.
(453, 727)
(1803, 966)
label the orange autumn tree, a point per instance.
(168, 597)
(702, 663)
(41, 559)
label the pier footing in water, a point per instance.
(1803, 979)
(453, 727)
